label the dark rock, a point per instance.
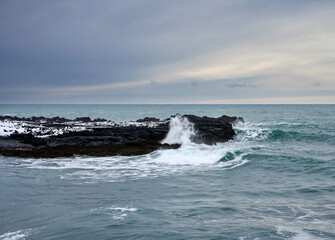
(148, 119)
(106, 140)
(212, 130)
(83, 119)
(58, 120)
(29, 139)
(100, 120)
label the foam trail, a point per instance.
(299, 233)
(161, 162)
(181, 131)
(18, 235)
(192, 154)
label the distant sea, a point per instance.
(275, 180)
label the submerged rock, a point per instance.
(41, 137)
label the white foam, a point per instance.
(307, 216)
(159, 163)
(120, 216)
(251, 131)
(17, 235)
(7, 128)
(236, 162)
(181, 131)
(189, 156)
(39, 130)
(192, 154)
(299, 233)
(117, 213)
(199, 155)
(123, 209)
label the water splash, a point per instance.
(161, 162)
(191, 154)
(247, 131)
(181, 131)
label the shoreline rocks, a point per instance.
(40, 137)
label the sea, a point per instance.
(274, 180)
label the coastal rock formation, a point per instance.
(60, 137)
(212, 130)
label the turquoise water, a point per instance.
(275, 180)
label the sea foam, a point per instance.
(17, 235)
(162, 162)
(181, 131)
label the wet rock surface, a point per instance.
(41, 137)
(212, 130)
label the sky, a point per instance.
(167, 52)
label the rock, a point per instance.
(212, 130)
(58, 119)
(148, 119)
(29, 139)
(108, 139)
(83, 119)
(100, 120)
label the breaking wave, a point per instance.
(17, 235)
(181, 131)
(162, 162)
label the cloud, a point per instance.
(194, 83)
(240, 85)
(317, 84)
(153, 82)
(85, 49)
(329, 99)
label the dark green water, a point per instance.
(275, 180)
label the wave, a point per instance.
(200, 155)
(249, 131)
(120, 168)
(277, 132)
(284, 135)
(190, 156)
(181, 131)
(252, 142)
(17, 235)
(116, 213)
(297, 232)
(296, 125)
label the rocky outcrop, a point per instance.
(212, 130)
(41, 137)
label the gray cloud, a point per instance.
(85, 51)
(240, 85)
(153, 82)
(195, 83)
(317, 84)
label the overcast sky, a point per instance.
(159, 51)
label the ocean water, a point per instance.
(275, 180)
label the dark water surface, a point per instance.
(275, 180)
